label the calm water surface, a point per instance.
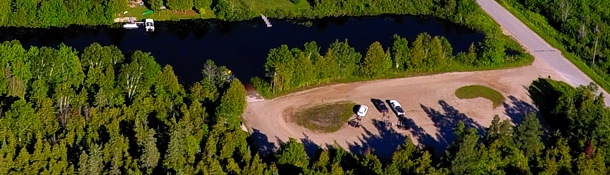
(242, 46)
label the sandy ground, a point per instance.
(432, 109)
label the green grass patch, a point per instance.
(541, 26)
(476, 91)
(166, 15)
(325, 118)
(257, 6)
(260, 6)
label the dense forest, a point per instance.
(35, 13)
(581, 26)
(464, 12)
(100, 111)
(289, 69)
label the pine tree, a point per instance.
(375, 61)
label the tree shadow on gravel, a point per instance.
(311, 148)
(424, 139)
(516, 109)
(384, 144)
(263, 146)
(444, 122)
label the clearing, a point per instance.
(431, 110)
(326, 118)
(165, 15)
(476, 91)
(257, 6)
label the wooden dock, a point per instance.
(266, 20)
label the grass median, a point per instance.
(325, 118)
(476, 91)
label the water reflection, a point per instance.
(242, 46)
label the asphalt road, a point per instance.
(539, 48)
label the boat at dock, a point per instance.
(149, 25)
(131, 26)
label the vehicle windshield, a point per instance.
(399, 109)
(362, 109)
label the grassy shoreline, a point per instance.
(540, 26)
(166, 15)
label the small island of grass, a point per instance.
(325, 118)
(476, 91)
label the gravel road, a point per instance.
(539, 48)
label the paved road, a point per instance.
(539, 48)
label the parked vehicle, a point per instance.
(362, 110)
(380, 105)
(396, 107)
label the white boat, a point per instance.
(149, 25)
(131, 26)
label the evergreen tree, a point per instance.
(375, 62)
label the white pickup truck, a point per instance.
(362, 110)
(396, 107)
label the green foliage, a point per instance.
(98, 112)
(576, 28)
(476, 91)
(157, 4)
(528, 136)
(493, 51)
(294, 69)
(347, 58)
(232, 104)
(400, 52)
(292, 153)
(201, 5)
(376, 62)
(579, 113)
(72, 118)
(180, 4)
(325, 117)
(33, 13)
(232, 10)
(5, 12)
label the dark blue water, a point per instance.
(243, 46)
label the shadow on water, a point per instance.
(444, 122)
(242, 46)
(384, 144)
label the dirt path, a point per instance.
(432, 109)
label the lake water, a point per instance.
(242, 46)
